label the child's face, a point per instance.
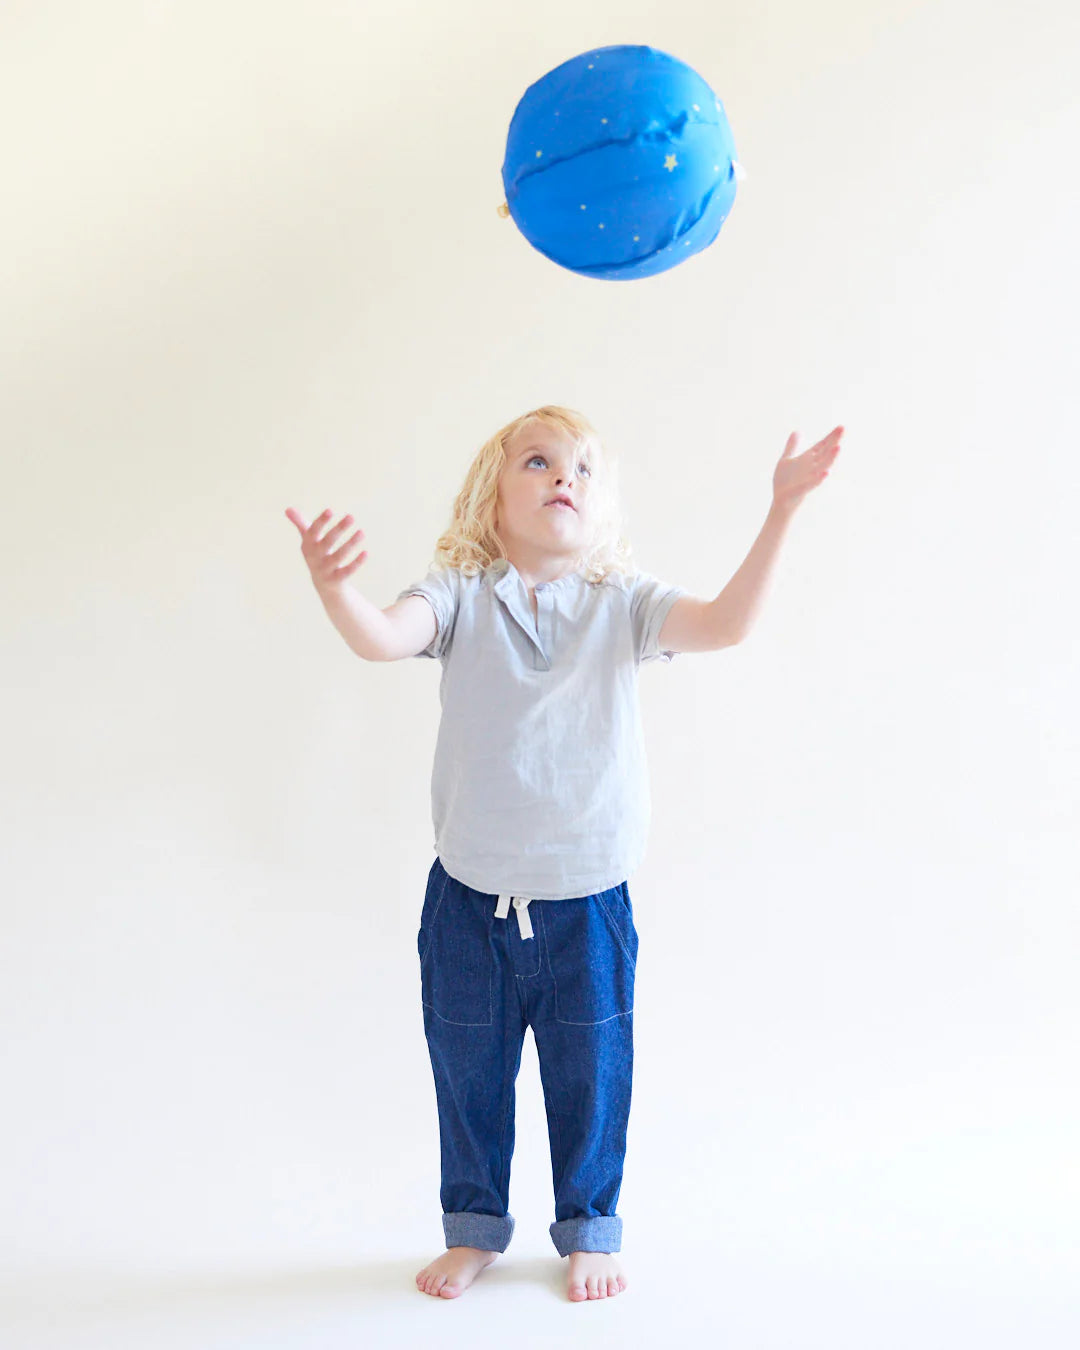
(541, 465)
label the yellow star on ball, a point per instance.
(670, 162)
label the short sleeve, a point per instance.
(440, 590)
(650, 601)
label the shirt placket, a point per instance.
(542, 658)
(516, 600)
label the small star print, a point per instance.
(670, 163)
(539, 153)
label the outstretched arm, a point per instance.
(375, 634)
(694, 625)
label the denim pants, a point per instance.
(487, 971)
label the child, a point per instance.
(540, 800)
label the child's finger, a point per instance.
(332, 536)
(339, 553)
(320, 519)
(349, 568)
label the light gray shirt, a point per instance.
(539, 786)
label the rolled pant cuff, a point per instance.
(601, 1233)
(489, 1232)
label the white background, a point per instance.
(251, 259)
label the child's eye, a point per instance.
(582, 465)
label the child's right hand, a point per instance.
(328, 570)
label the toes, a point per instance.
(596, 1286)
(430, 1284)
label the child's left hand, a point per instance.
(796, 475)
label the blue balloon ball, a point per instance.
(620, 164)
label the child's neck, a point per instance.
(542, 576)
(540, 570)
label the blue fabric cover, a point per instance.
(562, 156)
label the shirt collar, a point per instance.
(505, 578)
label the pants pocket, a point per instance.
(592, 949)
(455, 954)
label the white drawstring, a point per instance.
(521, 904)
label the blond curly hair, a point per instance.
(471, 543)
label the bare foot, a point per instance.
(594, 1275)
(453, 1272)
